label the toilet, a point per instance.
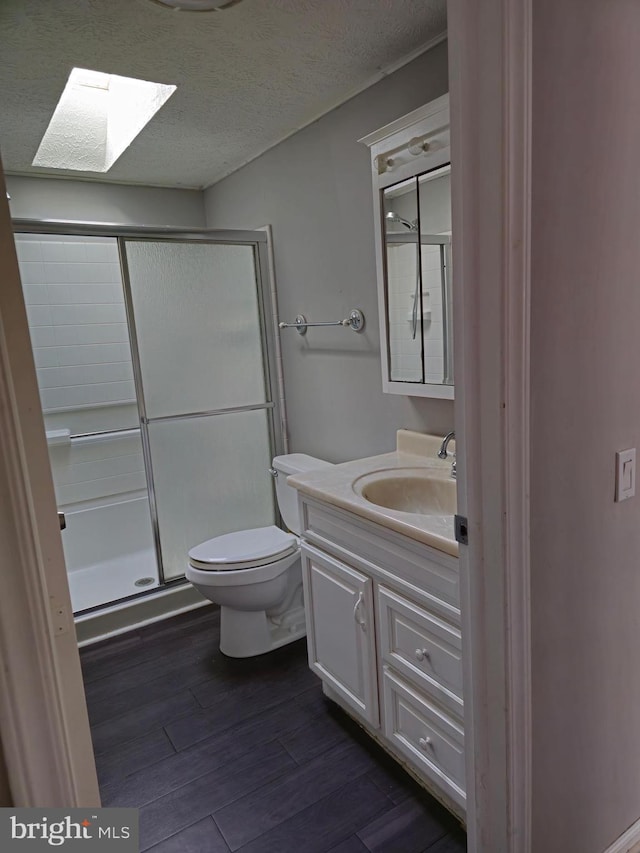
(256, 575)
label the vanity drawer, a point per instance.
(432, 741)
(426, 650)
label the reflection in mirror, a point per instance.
(417, 229)
(400, 206)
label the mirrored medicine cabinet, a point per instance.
(411, 168)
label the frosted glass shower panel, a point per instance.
(77, 321)
(211, 477)
(198, 326)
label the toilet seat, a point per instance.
(245, 549)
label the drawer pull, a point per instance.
(356, 612)
(422, 654)
(425, 743)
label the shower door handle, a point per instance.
(62, 520)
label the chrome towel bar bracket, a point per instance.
(354, 321)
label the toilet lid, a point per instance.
(254, 547)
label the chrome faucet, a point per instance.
(442, 453)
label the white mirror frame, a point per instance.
(397, 154)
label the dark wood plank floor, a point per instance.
(227, 755)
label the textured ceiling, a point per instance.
(247, 77)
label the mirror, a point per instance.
(416, 222)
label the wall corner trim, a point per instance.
(43, 717)
(490, 90)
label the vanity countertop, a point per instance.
(334, 486)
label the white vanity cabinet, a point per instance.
(383, 631)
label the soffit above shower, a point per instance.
(247, 76)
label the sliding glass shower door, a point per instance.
(199, 331)
(76, 310)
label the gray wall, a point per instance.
(315, 190)
(92, 201)
(585, 352)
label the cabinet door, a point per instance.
(340, 630)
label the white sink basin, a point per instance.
(420, 491)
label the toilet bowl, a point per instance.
(256, 575)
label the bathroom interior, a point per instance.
(246, 367)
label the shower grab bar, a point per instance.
(354, 321)
(91, 437)
(64, 436)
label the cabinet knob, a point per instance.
(422, 654)
(425, 742)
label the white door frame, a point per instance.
(44, 728)
(490, 91)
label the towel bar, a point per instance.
(354, 321)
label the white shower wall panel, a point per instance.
(91, 469)
(107, 531)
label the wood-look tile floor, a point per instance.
(247, 755)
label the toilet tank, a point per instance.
(292, 463)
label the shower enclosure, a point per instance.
(154, 355)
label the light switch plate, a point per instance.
(625, 474)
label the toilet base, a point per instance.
(247, 633)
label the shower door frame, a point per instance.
(272, 406)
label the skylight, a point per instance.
(97, 117)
